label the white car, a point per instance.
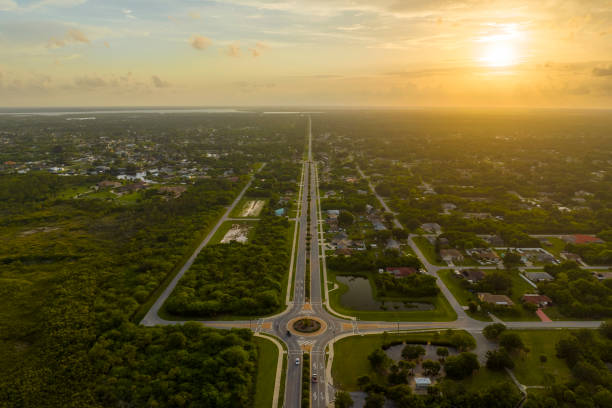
(297, 361)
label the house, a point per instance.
(344, 252)
(477, 216)
(571, 257)
(484, 255)
(579, 239)
(498, 300)
(535, 299)
(422, 383)
(472, 275)
(392, 244)
(333, 213)
(401, 271)
(369, 208)
(431, 228)
(495, 241)
(539, 276)
(446, 207)
(378, 225)
(451, 255)
(108, 183)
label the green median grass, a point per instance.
(266, 372)
(529, 370)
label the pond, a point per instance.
(359, 297)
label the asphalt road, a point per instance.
(322, 392)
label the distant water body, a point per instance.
(160, 110)
(79, 111)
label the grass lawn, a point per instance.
(351, 362)
(558, 245)
(266, 372)
(428, 250)
(528, 368)
(453, 283)
(226, 226)
(443, 312)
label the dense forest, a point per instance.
(242, 279)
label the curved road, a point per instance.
(322, 392)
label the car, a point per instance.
(297, 361)
(314, 378)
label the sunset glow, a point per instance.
(316, 52)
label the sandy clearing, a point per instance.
(252, 208)
(238, 233)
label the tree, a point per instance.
(511, 260)
(461, 366)
(442, 352)
(511, 341)
(412, 352)
(375, 400)
(345, 219)
(431, 368)
(493, 331)
(379, 359)
(606, 329)
(363, 381)
(343, 400)
(463, 341)
(473, 307)
(499, 359)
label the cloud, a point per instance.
(128, 13)
(194, 15)
(72, 36)
(90, 82)
(7, 5)
(199, 42)
(250, 87)
(603, 71)
(58, 3)
(233, 50)
(257, 49)
(158, 82)
(77, 36)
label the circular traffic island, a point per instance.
(306, 326)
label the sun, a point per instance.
(499, 54)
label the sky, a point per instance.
(360, 53)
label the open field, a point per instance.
(529, 370)
(266, 372)
(429, 251)
(350, 360)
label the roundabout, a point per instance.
(307, 326)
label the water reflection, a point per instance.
(359, 297)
